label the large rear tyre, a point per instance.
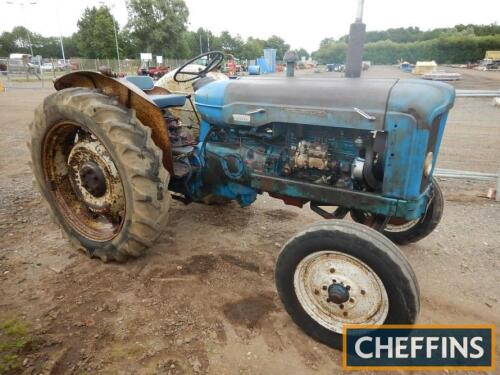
(335, 273)
(403, 232)
(100, 172)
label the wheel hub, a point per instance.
(338, 293)
(93, 179)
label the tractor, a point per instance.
(109, 155)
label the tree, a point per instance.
(279, 44)
(159, 26)
(231, 45)
(253, 48)
(15, 41)
(95, 36)
(200, 41)
(301, 52)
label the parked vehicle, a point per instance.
(47, 67)
(335, 67)
(155, 72)
(109, 155)
(20, 63)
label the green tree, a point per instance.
(301, 52)
(279, 44)
(159, 26)
(200, 41)
(15, 41)
(95, 37)
(50, 47)
(231, 45)
(253, 48)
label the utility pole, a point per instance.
(208, 41)
(112, 5)
(117, 48)
(60, 34)
(356, 44)
(201, 48)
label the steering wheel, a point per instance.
(214, 58)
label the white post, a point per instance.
(60, 35)
(117, 49)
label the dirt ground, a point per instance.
(203, 300)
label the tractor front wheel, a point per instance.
(401, 231)
(100, 172)
(335, 273)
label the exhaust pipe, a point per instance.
(356, 44)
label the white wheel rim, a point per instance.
(367, 304)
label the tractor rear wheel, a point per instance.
(100, 172)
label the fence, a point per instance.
(15, 73)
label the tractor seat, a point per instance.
(145, 83)
(168, 100)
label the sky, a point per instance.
(302, 23)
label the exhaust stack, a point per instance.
(356, 44)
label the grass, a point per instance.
(14, 337)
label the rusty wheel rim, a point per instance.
(335, 288)
(400, 225)
(84, 181)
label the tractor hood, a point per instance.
(351, 103)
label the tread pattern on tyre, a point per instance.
(427, 224)
(138, 159)
(422, 229)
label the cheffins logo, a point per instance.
(419, 347)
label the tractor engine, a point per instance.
(320, 155)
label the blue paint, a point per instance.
(254, 70)
(233, 149)
(209, 99)
(143, 82)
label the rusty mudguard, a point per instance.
(129, 96)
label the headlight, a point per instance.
(428, 164)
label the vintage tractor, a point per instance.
(108, 156)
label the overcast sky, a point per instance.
(302, 23)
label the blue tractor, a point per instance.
(109, 155)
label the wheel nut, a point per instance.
(341, 306)
(316, 291)
(325, 287)
(328, 300)
(345, 313)
(348, 287)
(332, 270)
(351, 300)
(363, 292)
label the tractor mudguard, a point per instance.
(129, 96)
